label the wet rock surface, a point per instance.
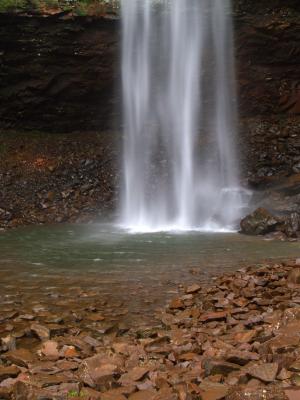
(268, 61)
(274, 225)
(57, 72)
(54, 179)
(60, 74)
(259, 222)
(235, 338)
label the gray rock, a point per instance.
(260, 222)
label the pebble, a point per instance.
(248, 350)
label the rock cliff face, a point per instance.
(57, 74)
(268, 61)
(61, 74)
(268, 57)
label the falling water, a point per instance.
(180, 169)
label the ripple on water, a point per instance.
(114, 263)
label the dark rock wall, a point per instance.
(57, 75)
(61, 75)
(268, 64)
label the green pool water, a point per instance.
(106, 248)
(140, 271)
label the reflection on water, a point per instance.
(43, 264)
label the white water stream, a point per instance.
(180, 164)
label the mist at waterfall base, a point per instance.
(179, 161)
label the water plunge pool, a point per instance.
(68, 268)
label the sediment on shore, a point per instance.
(235, 339)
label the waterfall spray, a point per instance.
(180, 168)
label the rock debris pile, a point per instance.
(65, 178)
(237, 338)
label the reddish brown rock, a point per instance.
(292, 394)
(294, 276)
(69, 352)
(95, 317)
(8, 372)
(97, 370)
(245, 337)
(41, 331)
(265, 372)
(136, 374)
(215, 367)
(241, 357)
(193, 288)
(50, 350)
(295, 367)
(20, 357)
(5, 393)
(92, 394)
(44, 380)
(143, 395)
(281, 343)
(213, 316)
(176, 304)
(112, 396)
(166, 394)
(284, 375)
(213, 391)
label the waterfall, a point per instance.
(180, 168)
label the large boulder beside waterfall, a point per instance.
(260, 222)
(263, 222)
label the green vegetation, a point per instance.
(74, 393)
(79, 7)
(12, 5)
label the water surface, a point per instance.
(134, 272)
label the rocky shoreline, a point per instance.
(64, 178)
(236, 338)
(278, 212)
(61, 75)
(51, 179)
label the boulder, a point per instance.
(260, 222)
